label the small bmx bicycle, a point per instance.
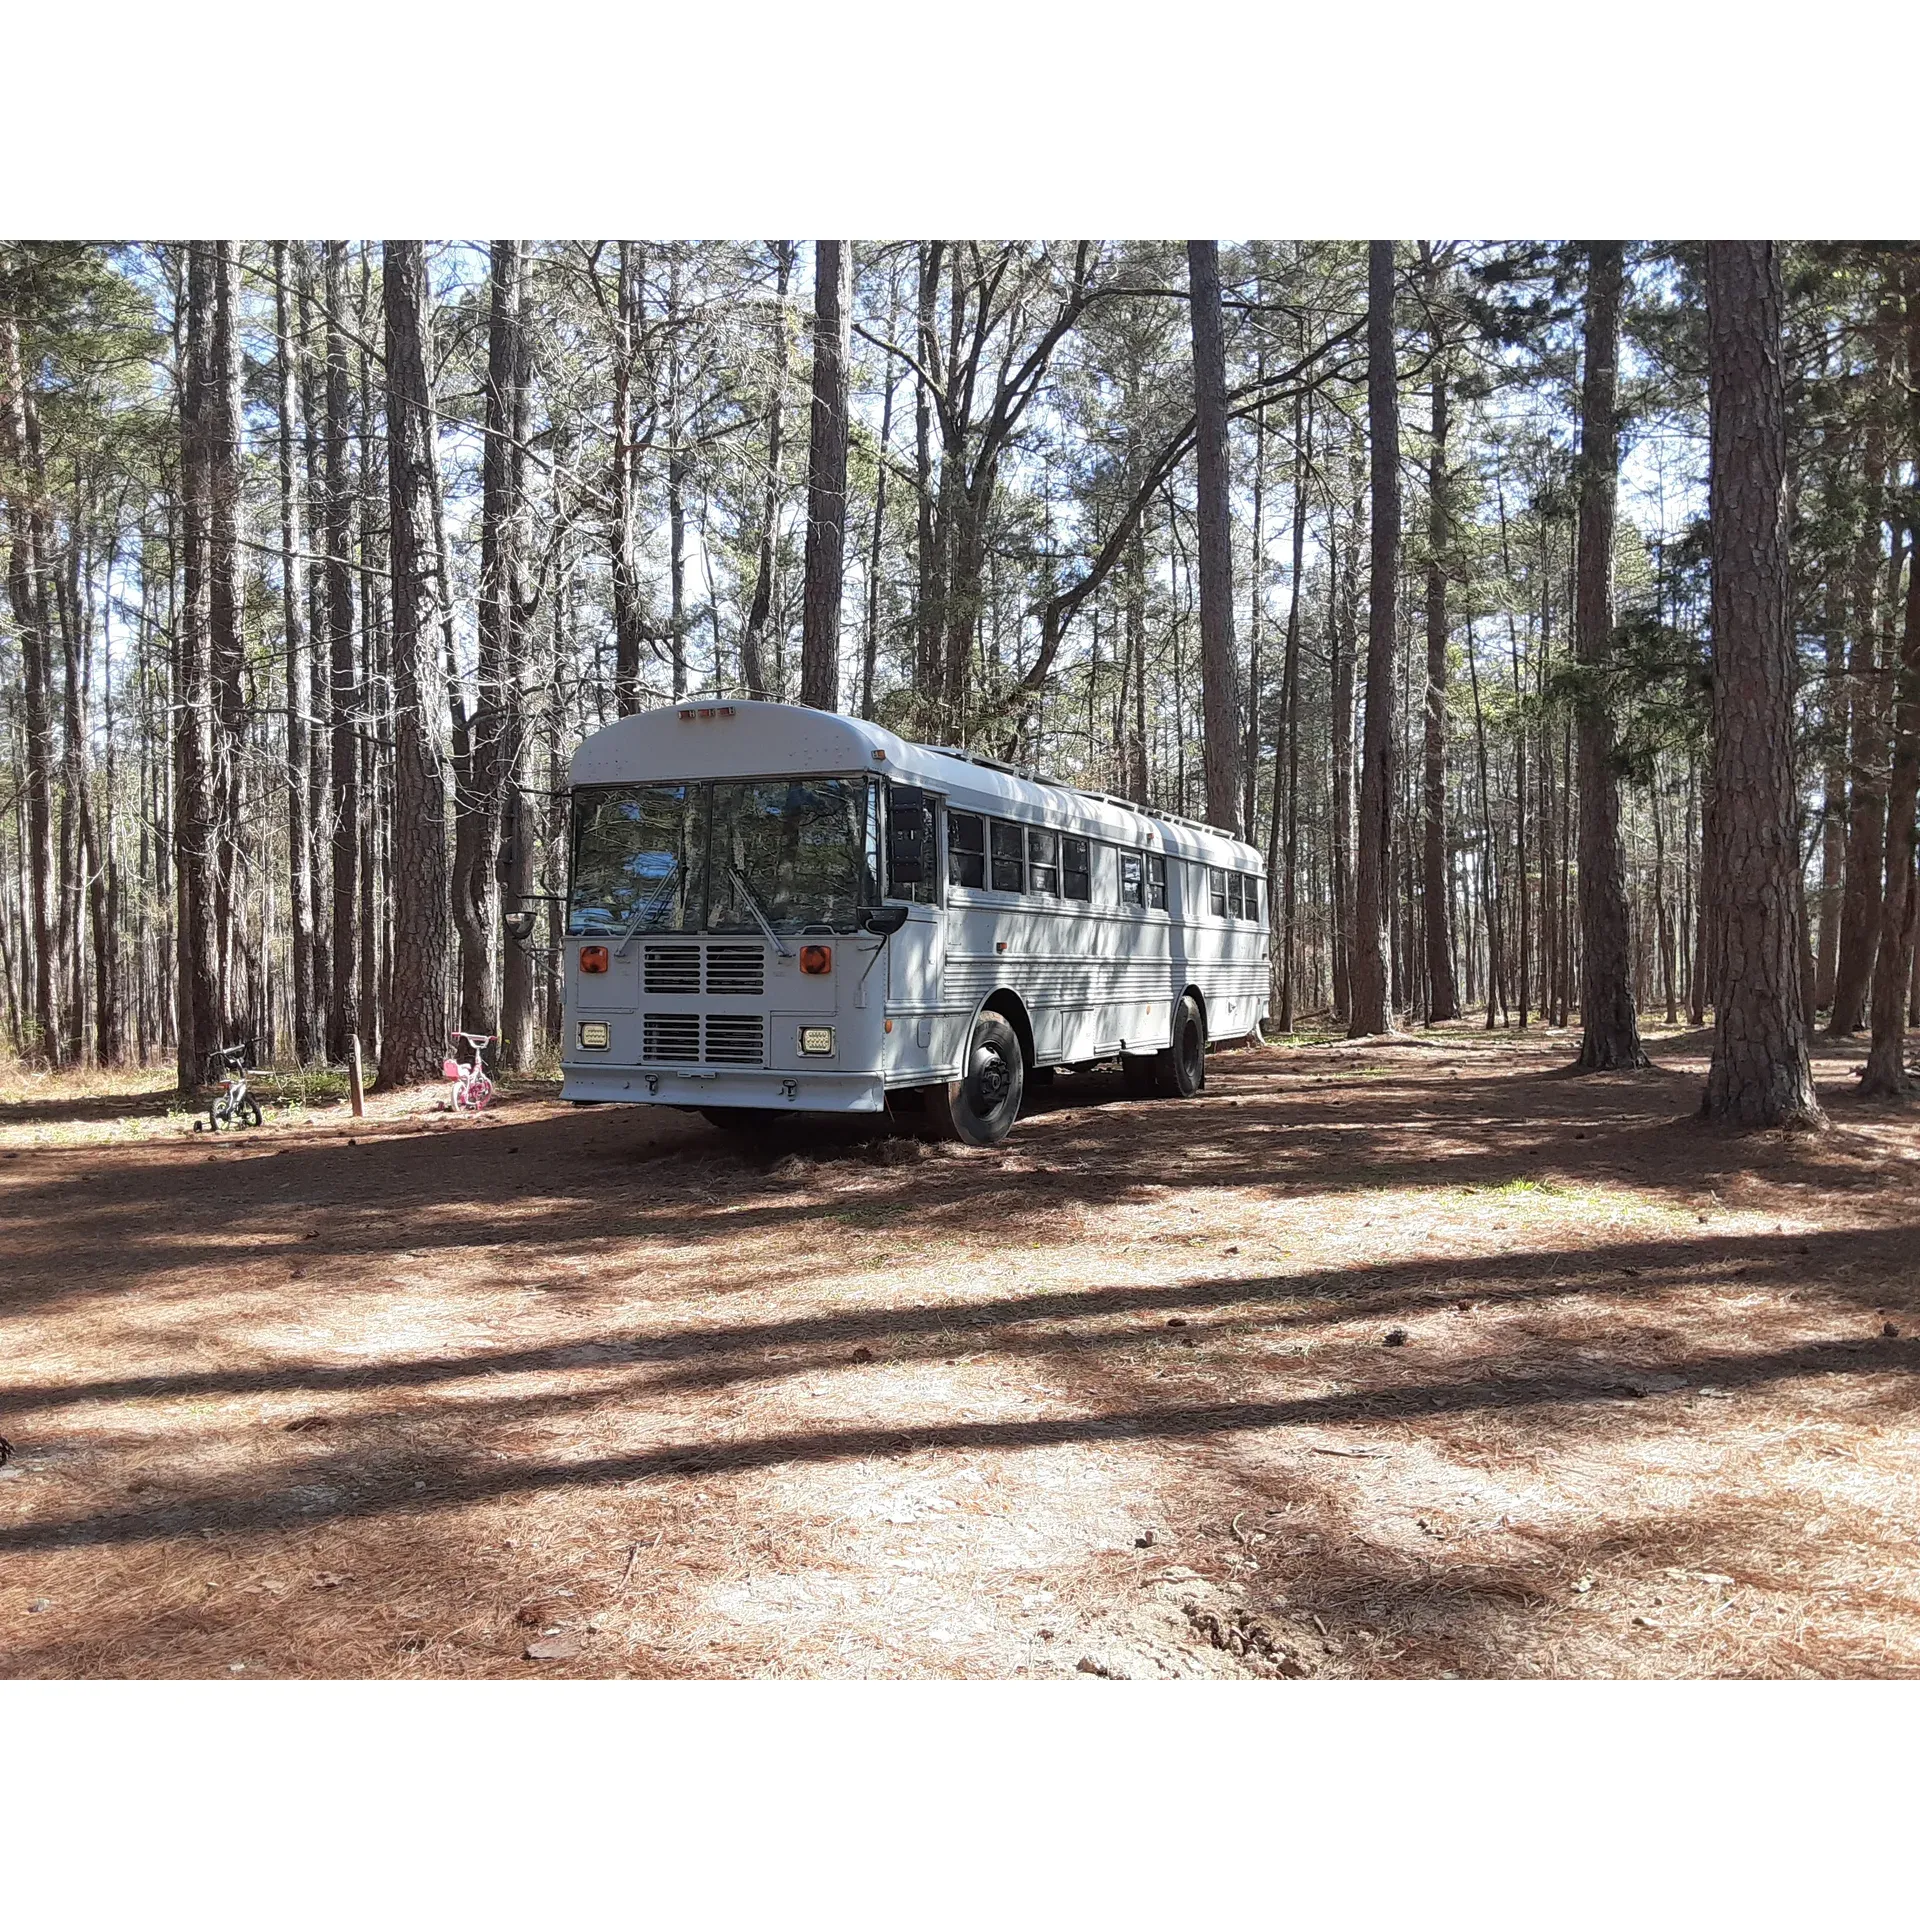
(472, 1090)
(233, 1105)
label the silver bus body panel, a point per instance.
(1093, 979)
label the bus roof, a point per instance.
(740, 739)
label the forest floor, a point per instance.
(1418, 1357)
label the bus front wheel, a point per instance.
(1180, 1071)
(979, 1108)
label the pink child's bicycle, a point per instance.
(472, 1090)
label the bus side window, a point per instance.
(1009, 858)
(1157, 880)
(1131, 869)
(1043, 860)
(1076, 869)
(1217, 889)
(1249, 896)
(966, 850)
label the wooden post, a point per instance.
(356, 1087)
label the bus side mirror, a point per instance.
(909, 827)
(519, 925)
(882, 920)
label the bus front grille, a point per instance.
(673, 970)
(671, 1036)
(735, 1039)
(736, 970)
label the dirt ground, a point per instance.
(1415, 1358)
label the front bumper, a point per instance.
(800, 1091)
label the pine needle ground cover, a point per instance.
(1412, 1357)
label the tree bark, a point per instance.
(827, 475)
(1759, 1076)
(226, 608)
(293, 594)
(1609, 1024)
(1378, 772)
(753, 664)
(201, 1015)
(28, 563)
(1886, 1071)
(627, 616)
(1867, 744)
(344, 694)
(1443, 997)
(1219, 665)
(413, 1027)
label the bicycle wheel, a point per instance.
(478, 1096)
(253, 1110)
(460, 1096)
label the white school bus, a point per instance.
(774, 909)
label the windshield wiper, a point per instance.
(753, 907)
(644, 911)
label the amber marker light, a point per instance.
(816, 959)
(593, 959)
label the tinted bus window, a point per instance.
(1009, 859)
(966, 850)
(1043, 860)
(1132, 867)
(1076, 868)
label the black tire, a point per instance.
(253, 1110)
(979, 1108)
(1180, 1070)
(1136, 1069)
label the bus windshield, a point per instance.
(701, 856)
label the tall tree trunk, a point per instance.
(676, 487)
(28, 562)
(1343, 641)
(480, 797)
(1759, 1076)
(627, 616)
(753, 664)
(870, 631)
(1378, 773)
(826, 475)
(1443, 997)
(1219, 666)
(1833, 796)
(413, 1032)
(515, 859)
(1290, 716)
(319, 664)
(225, 608)
(293, 594)
(1609, 1025)
(929, 608)
(201, 1019)
(1886, 1071)
(1867, 745)
(344, 694)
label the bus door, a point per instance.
(916, 955)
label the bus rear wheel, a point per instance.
(979, 1108)
(1180, 1070)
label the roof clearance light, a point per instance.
(816, 959)
(593, 959)
(706, 713)
(595, 1033)
(816, 1039)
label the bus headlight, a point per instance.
(816, 1039)
(595, 1033)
